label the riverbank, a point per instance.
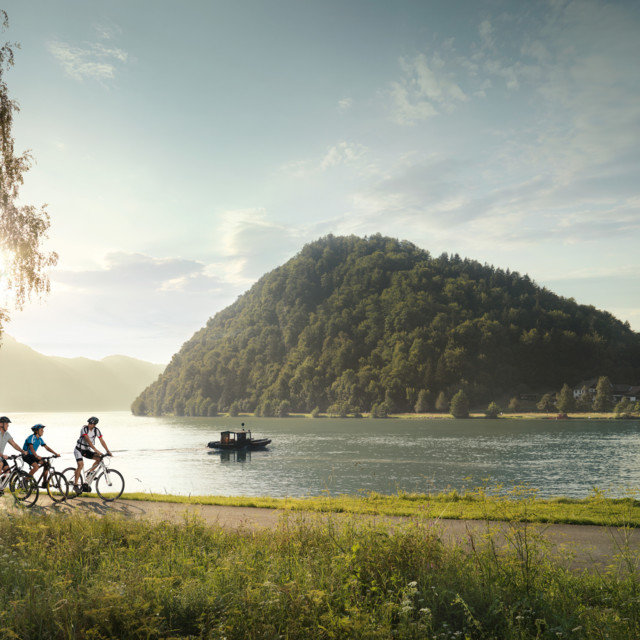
(134, 569)
(521, 415)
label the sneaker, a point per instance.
(1, 492)
(77, 488)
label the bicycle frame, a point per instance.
(109, 483)
(16, 464)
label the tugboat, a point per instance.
(231, 440)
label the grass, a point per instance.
(484, 503)
(75, 576)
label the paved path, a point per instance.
(576, 546)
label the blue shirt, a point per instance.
(34, 440)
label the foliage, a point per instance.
(564, 400)
(424, 402)
(442, 404)
(514, 404)
(547, 403)
(351, 323)
(584, 402)
(603, 401)
(493, 410)
(460, 405)
(85, 577)
(23, 228)
(624, 408)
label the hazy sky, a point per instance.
(186, 148)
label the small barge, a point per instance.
(231, 440)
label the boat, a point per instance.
(241, 440)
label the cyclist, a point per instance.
(31, 445)
(6, 437)
(86, 448)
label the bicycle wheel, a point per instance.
(110, 485)
(57, 487)
(70, 476)
(24, 488)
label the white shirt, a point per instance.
(4, 438)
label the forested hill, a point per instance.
(351, 322)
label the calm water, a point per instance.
(309, 457)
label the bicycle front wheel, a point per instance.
(110, 485)
(57, 487)
(24, 488)
(70, 476)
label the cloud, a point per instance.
(136, 304)
(252, 244)
(343, 153)
(425, 89)
(347, 155)
(345, 104)
(95, 61)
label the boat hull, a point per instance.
(252, 445)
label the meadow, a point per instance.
(77, 576)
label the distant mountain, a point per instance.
(353, 323)
(31, 381)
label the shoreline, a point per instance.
(475, 415)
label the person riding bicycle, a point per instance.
(31, 445)
(6, 437)
(86, 448)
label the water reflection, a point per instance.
(234, 456)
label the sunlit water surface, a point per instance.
(309, 457)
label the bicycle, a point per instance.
(109, 482)
(23, 487)
(55, 483)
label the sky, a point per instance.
(184, 149)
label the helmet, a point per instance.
(36, 427)
(5, 420)
(93, 420)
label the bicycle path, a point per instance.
(575, 546)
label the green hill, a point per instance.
(31, 381)
(352, 322)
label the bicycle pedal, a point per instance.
(86, 488)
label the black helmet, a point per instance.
(36, 427)
(5, 419)
(93, 420)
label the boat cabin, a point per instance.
(238, 438)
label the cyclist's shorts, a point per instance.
(84, 454)
(30, 458)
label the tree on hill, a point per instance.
(603, 401)
(355, 323)
(23, 228)
(547, 403)
(584, 402)
(493, 410)
(514, 404)
(442, 404)
(564, 400)
(460, 405)
(624, 408)
(423, 403)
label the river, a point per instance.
(314, 456)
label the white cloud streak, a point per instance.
(94, 61)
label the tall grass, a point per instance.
(74, 576)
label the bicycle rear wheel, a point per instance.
(110, 485)
(24, 488)
(57, 487)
